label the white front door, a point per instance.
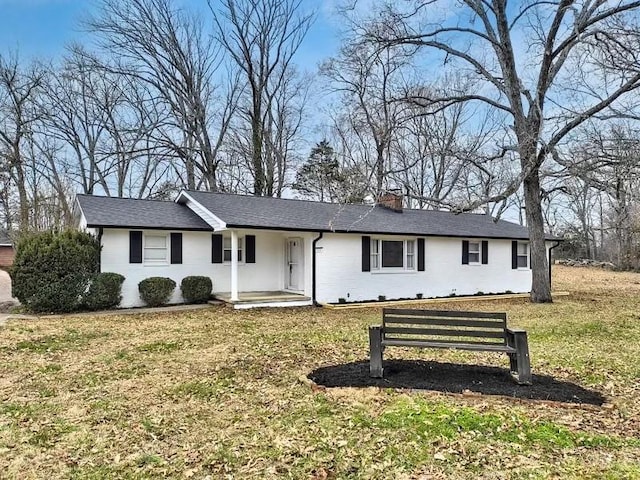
(294, 273)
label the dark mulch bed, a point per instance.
(454, 378)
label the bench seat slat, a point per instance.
(442, 313)
(443, 332)
(478, 346)
(444, 321)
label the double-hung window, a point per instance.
(375, 254)
(474, 253)
(156, 251)
(226, 249)
(523, 255)
(393, 254)
(411, 249)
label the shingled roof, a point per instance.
(242, 211)
(133, 213)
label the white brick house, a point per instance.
(276, 252)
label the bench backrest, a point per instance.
(444, 327)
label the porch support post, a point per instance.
(234, 266)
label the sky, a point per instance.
(40, 29)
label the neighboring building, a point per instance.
(274, 252)
(7, 252)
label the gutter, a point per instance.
(372, 232)
(313, 268)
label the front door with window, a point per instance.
(294, 274)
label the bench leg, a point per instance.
(375, 351)
(513, 362)
(520, 363)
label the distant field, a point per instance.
(224, 394)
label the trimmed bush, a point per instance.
(156, 291)
(52, 270)
(196, 289)
(104, 291)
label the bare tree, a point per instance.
(19, 89)
(579, 60)
(445, 158)
(370, 82)
(76, 103)
(283, 123)
(168, 49)
(262, 38)
(605, 194)
(50, 188)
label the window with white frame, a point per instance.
(155, 249)
(393, 254)
(474, 252)
(411, 248)
(523, 255)
(375, 255)
(226, 249)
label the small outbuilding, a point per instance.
(7, 251)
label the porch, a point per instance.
(262, 268)
(264, 299)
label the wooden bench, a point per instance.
(476, 331)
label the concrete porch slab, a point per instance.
(262, 297)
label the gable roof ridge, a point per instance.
(316, 202)
(92, 195)
(248, 195)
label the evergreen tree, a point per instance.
(322, 178)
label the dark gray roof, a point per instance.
(133, 213)
(302, 215)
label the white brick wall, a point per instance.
(266, 274)
(340, 272)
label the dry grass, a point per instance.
(218, 393)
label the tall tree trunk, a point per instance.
(23, 195)
(379, 169)
(256, 155)
(541, 285)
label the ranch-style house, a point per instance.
(263, 251)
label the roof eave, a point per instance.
(364, 232)
(147, 227)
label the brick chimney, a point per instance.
(392, 201)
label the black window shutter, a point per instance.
(250, 246)
(485, 252)
(514, 254)
(216, 248)
(421, 254)
(465, 252)
(176, 248)
(135, 246)
(366, 254)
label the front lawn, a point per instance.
(224, 394)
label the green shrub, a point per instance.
(104, 291)
(196, 289)
(156, 291)
(52, 270)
